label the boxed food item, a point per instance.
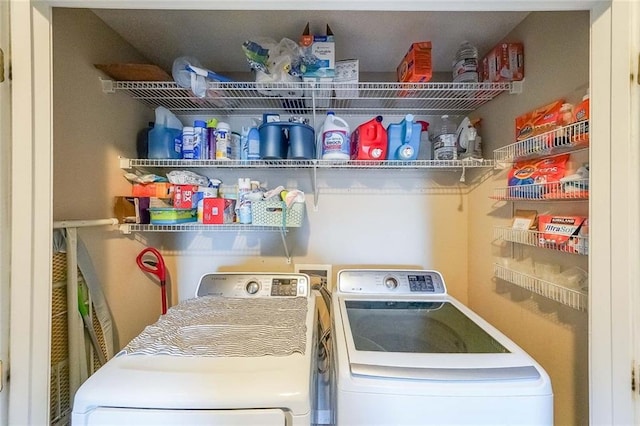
(505, 62)
(566, 233)
(319, 53)
(538, 121)
(415, 67)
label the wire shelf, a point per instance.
(575, 245)
(566, 139)
(127, 163)
(574, 190)
(310, 97)
(127, 228)
(572, 298)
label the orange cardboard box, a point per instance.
(155, 189)
(415, 67)
(538, 121)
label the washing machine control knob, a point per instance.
(391, 283)
(252, 287)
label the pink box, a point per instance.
(505, 62)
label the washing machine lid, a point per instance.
(398, 324)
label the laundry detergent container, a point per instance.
(280, 140)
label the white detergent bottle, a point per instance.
(336, 140)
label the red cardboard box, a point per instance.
(415, 67)
(184, 196)
(156, 189)
(505, 62)
(213, 211)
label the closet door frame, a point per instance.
(31, 199)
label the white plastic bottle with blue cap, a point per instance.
(336, 138)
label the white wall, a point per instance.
(556, 66)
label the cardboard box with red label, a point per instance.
(505, 62)
(186, 196)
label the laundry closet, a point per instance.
(447, 219)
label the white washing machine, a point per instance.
(407, 353)
(243, 352)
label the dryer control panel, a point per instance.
(243, 284)
(390, 281)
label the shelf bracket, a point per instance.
(316, 191)
(463, 174)
(283, 232)
(107, 86)
(517, 87)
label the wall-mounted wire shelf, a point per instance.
(573, 298)
(128, 163)
(573, 190)
(571, 138)
(309, 97)
(127, 228)
(575, 245)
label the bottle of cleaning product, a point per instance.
(223, 139)
(200, 140)
(444, 144)
(425, 152)
(336, 142)
(369, 141)
(211, 143)
(165, 139)
(465, 65)
(188, 143)
(253, 143)
(404, 139)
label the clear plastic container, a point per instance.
(444, 143)
(465, 65)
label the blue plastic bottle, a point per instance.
(165, 139)
(404, 139)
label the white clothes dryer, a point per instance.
(243, 352)
(407, 353)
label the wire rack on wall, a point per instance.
(309, 98)
(575, 244)
(573, 190)
(571, 138)
(573, 298)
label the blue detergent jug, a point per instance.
(165, 139)
(404, 139)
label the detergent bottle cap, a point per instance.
(379, 119)
(212, 122)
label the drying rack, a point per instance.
(75, 326)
